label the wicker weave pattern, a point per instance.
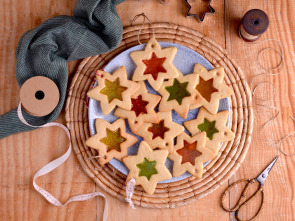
(179, 193)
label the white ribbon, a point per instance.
(129, 192)
(56, 163)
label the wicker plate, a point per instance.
(179, 193)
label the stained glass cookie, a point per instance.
(111, 140)
(113, 90)
(214, 125)
(142, 108)
(147, 167)
(161, 135)
(189, 154)
(178, 94)
(154, 64)
(211, 88)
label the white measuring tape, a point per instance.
(130, 191)
(56, 163)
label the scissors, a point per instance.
(241, 203)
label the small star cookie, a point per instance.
(211, 88)
(142, 108)
(189, 154)
(154, 64)
(215, 127)
(111, 140)
(178, 94)
(147, 167)
(161, 135)
(113, 90)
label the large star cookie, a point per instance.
(161, 135)
(147, 167)
(178, 94)
(154, 64)
(113, 90)
(142, 108)
(111, 140)
(215, 127)
(189, 154)
(211, 88)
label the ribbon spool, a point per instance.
(39, 96)
(254, 23)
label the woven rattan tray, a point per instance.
(179, 193)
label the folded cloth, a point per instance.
(94, 29)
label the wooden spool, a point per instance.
(39, 96)
(254, 23)
(179, 193)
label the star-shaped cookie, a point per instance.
(113, 90)
(211, 88)
(111, 140)
(178, 94)
(160, 135)
(142, 108)
(189, 154)
(147, 167)
(154, 64)
(215, 127)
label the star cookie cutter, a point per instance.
(200, 19)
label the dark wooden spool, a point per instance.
(254, 23)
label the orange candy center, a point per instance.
(189, 152)
(206, 88)
(154, 66)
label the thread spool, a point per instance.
(254, 23)
(39, 96)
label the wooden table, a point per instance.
(23, 154)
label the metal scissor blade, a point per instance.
(262, 177)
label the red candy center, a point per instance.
(189, 152)
(154, 66)
(158, 129)
(139, 105)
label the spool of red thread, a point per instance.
(254, 23)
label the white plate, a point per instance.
(184, 61)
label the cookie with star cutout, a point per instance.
(111, 140)
(142, 108)
(113, 90)
(211, 88)
(214, 125)
(147, 167)
(154, 64)
(161, 134)
(178, 94)
(189, 154)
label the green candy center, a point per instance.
(113, 90)
(178, 91)
(147, 168)
(113, 140)
(209, 128)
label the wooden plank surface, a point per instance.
(23, 154)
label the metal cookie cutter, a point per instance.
(212, 10)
